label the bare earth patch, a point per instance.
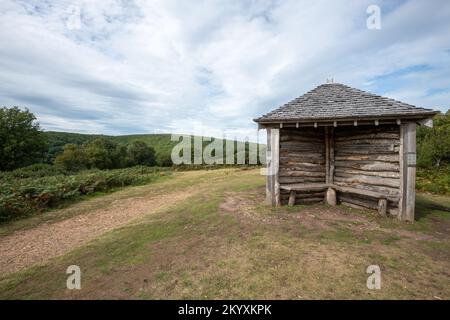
(38, 245)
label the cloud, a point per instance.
(209, 67)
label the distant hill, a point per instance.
(160, 142)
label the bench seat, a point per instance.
(382, 198)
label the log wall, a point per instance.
(302, 160)
(368, 158)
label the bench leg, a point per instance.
(382, 207)
(291, 198)
(331, 197)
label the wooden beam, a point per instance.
(281, 125)
(269, 180)
(409, 172)
(332, 156)
(275, 148)
(399, 122)
(377, 122)
(327, 154)
(297, 125)
(334, 123)
(355, 123)
(315, 124)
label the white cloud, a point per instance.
(211, 66)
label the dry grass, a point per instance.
(223, 242)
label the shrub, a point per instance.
(21, 196)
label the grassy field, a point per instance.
(222, 241)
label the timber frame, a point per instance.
(363, 162)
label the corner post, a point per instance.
(273, 160)
(408, 174)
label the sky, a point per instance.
(207, 66)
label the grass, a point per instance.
(222, 242)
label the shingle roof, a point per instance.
(337, 101)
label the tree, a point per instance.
(433, 144)
(100, 153)
(73, 158)
(139, 153)
(21, 141)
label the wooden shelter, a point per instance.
(343, 145)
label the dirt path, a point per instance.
(37, 245)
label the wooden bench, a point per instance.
(382, 198)
(293, 188)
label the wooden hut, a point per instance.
(343, 145)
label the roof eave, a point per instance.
(422, 115)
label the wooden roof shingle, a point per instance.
(335, 101)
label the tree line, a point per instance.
(22, 143)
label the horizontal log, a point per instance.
(365, 152)
(369, 165)
(305, 132)
(360, 202)
(289, 180)
(300, 165)
(373, 157)
(375, 181)
(304, 196)
(298, 173)
(374, 142)
(390, 193)
(301, 149)
(299, 144)
(300, 138)
(346, 172)
(304, 187)
(353, 131)
(380, 135)
(296, 155)
(357, 147)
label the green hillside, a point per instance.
(160, 142)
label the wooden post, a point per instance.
(382, 207)
(327, 154)
(269, 184)
(331, 196)
(291, 198)
(331, 135)
(408, 172)
(272, 183)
